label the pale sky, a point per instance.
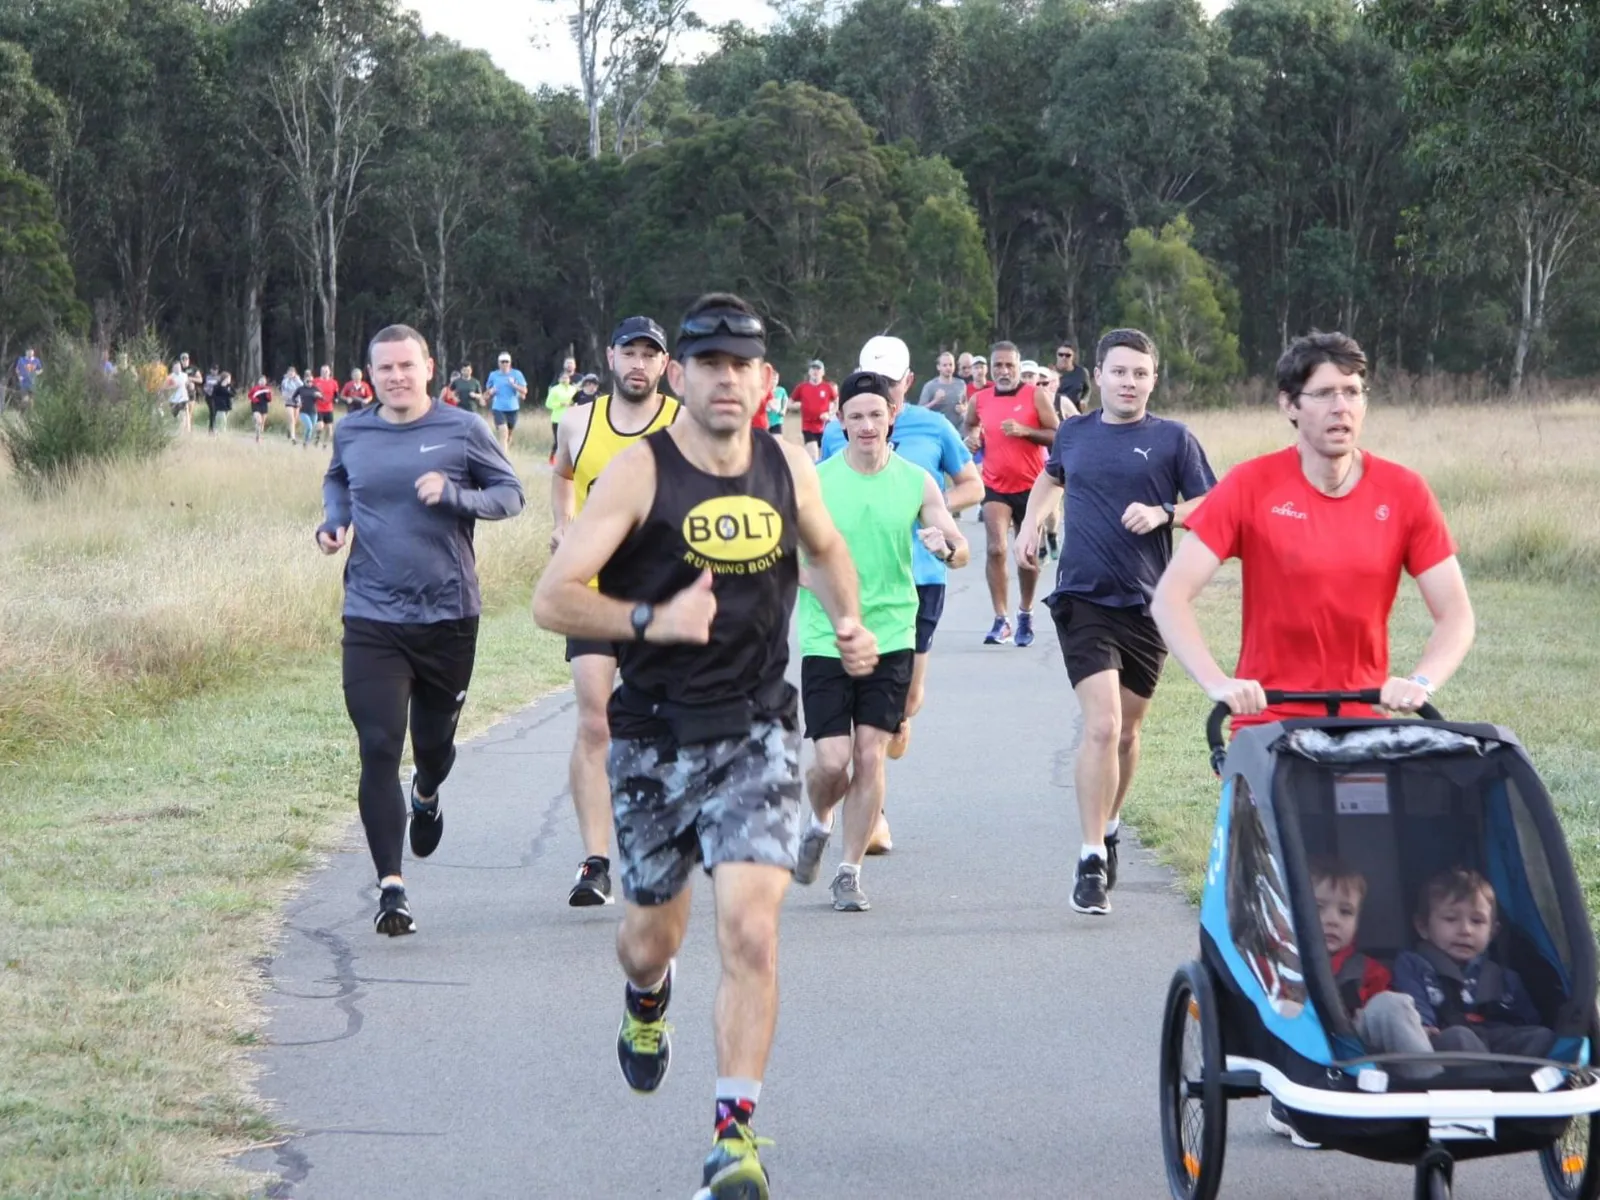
(528, 39)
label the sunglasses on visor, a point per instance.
(719, 320)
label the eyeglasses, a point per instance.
(717, 320)
(1063, 353)
(1354, 395)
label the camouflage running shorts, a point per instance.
(734, 800)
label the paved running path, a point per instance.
(969, 1038)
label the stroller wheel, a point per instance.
(1194, 1112)
(1571, 1171)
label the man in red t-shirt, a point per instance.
(1014, 424)
(1322, 531)
(357, 393)
(817, 398)
(327, 392)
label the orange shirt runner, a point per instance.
(1010, 464)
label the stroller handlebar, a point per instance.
(1330, 700)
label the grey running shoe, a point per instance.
(847, 893)
(813, 842)
(1089, 892)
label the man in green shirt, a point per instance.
(875, 497)
(559, 398)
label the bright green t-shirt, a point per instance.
(558, 399)
(875, 514)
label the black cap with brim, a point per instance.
(639, 329)
(722, 343)
(864, 383)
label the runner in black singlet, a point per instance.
(693, 533)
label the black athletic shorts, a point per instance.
(1096, 638)
(811, 439)
(579, 648)
(835, 703)
(326, 418)
(260, 406)
(503, 417)
(436, 656)
(1017, 502)
(930, 607)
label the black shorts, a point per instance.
(260, 406)
(1017, 502)
(508, 419)
(1096, 638)
(579, 648)
(835, 703)
(930, 607)
(811, 439)
(437, 657)
(326, 418)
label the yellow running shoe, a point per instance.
(733, 1168)
(644, 1043)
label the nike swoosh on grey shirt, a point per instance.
(411, 563)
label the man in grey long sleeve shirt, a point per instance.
(409, 478)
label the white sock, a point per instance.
(1112, 826)
(850, 869)
(820, 825)
(1092, 849)
(730, 1088)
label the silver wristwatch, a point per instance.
(1423, 682)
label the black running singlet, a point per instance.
(745, 529)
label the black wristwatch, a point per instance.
(643, 613)
(1172, 513)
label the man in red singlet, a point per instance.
(1014, 424)
(1323, 530)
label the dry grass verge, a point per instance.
(180, 756)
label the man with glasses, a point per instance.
(1073, 382)
(506, 387)
(695, 534)
(1323, 530)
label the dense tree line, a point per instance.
(266, 183)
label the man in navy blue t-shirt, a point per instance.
(1130, 478)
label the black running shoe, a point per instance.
(1111, 858)
(644, 1043)
(393, 918)
(427, 823)
(1089, 893)
(593, 887)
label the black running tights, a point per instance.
(395, 675)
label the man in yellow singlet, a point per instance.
(588, 437)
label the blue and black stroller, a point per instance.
(1260, 1013)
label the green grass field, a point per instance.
(177, 754)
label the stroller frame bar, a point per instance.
(1442, 1105)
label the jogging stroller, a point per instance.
(1260, 1013)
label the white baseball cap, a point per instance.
(1028, 367)
(886, 356)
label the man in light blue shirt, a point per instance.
(921, 436)
(507, 388)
